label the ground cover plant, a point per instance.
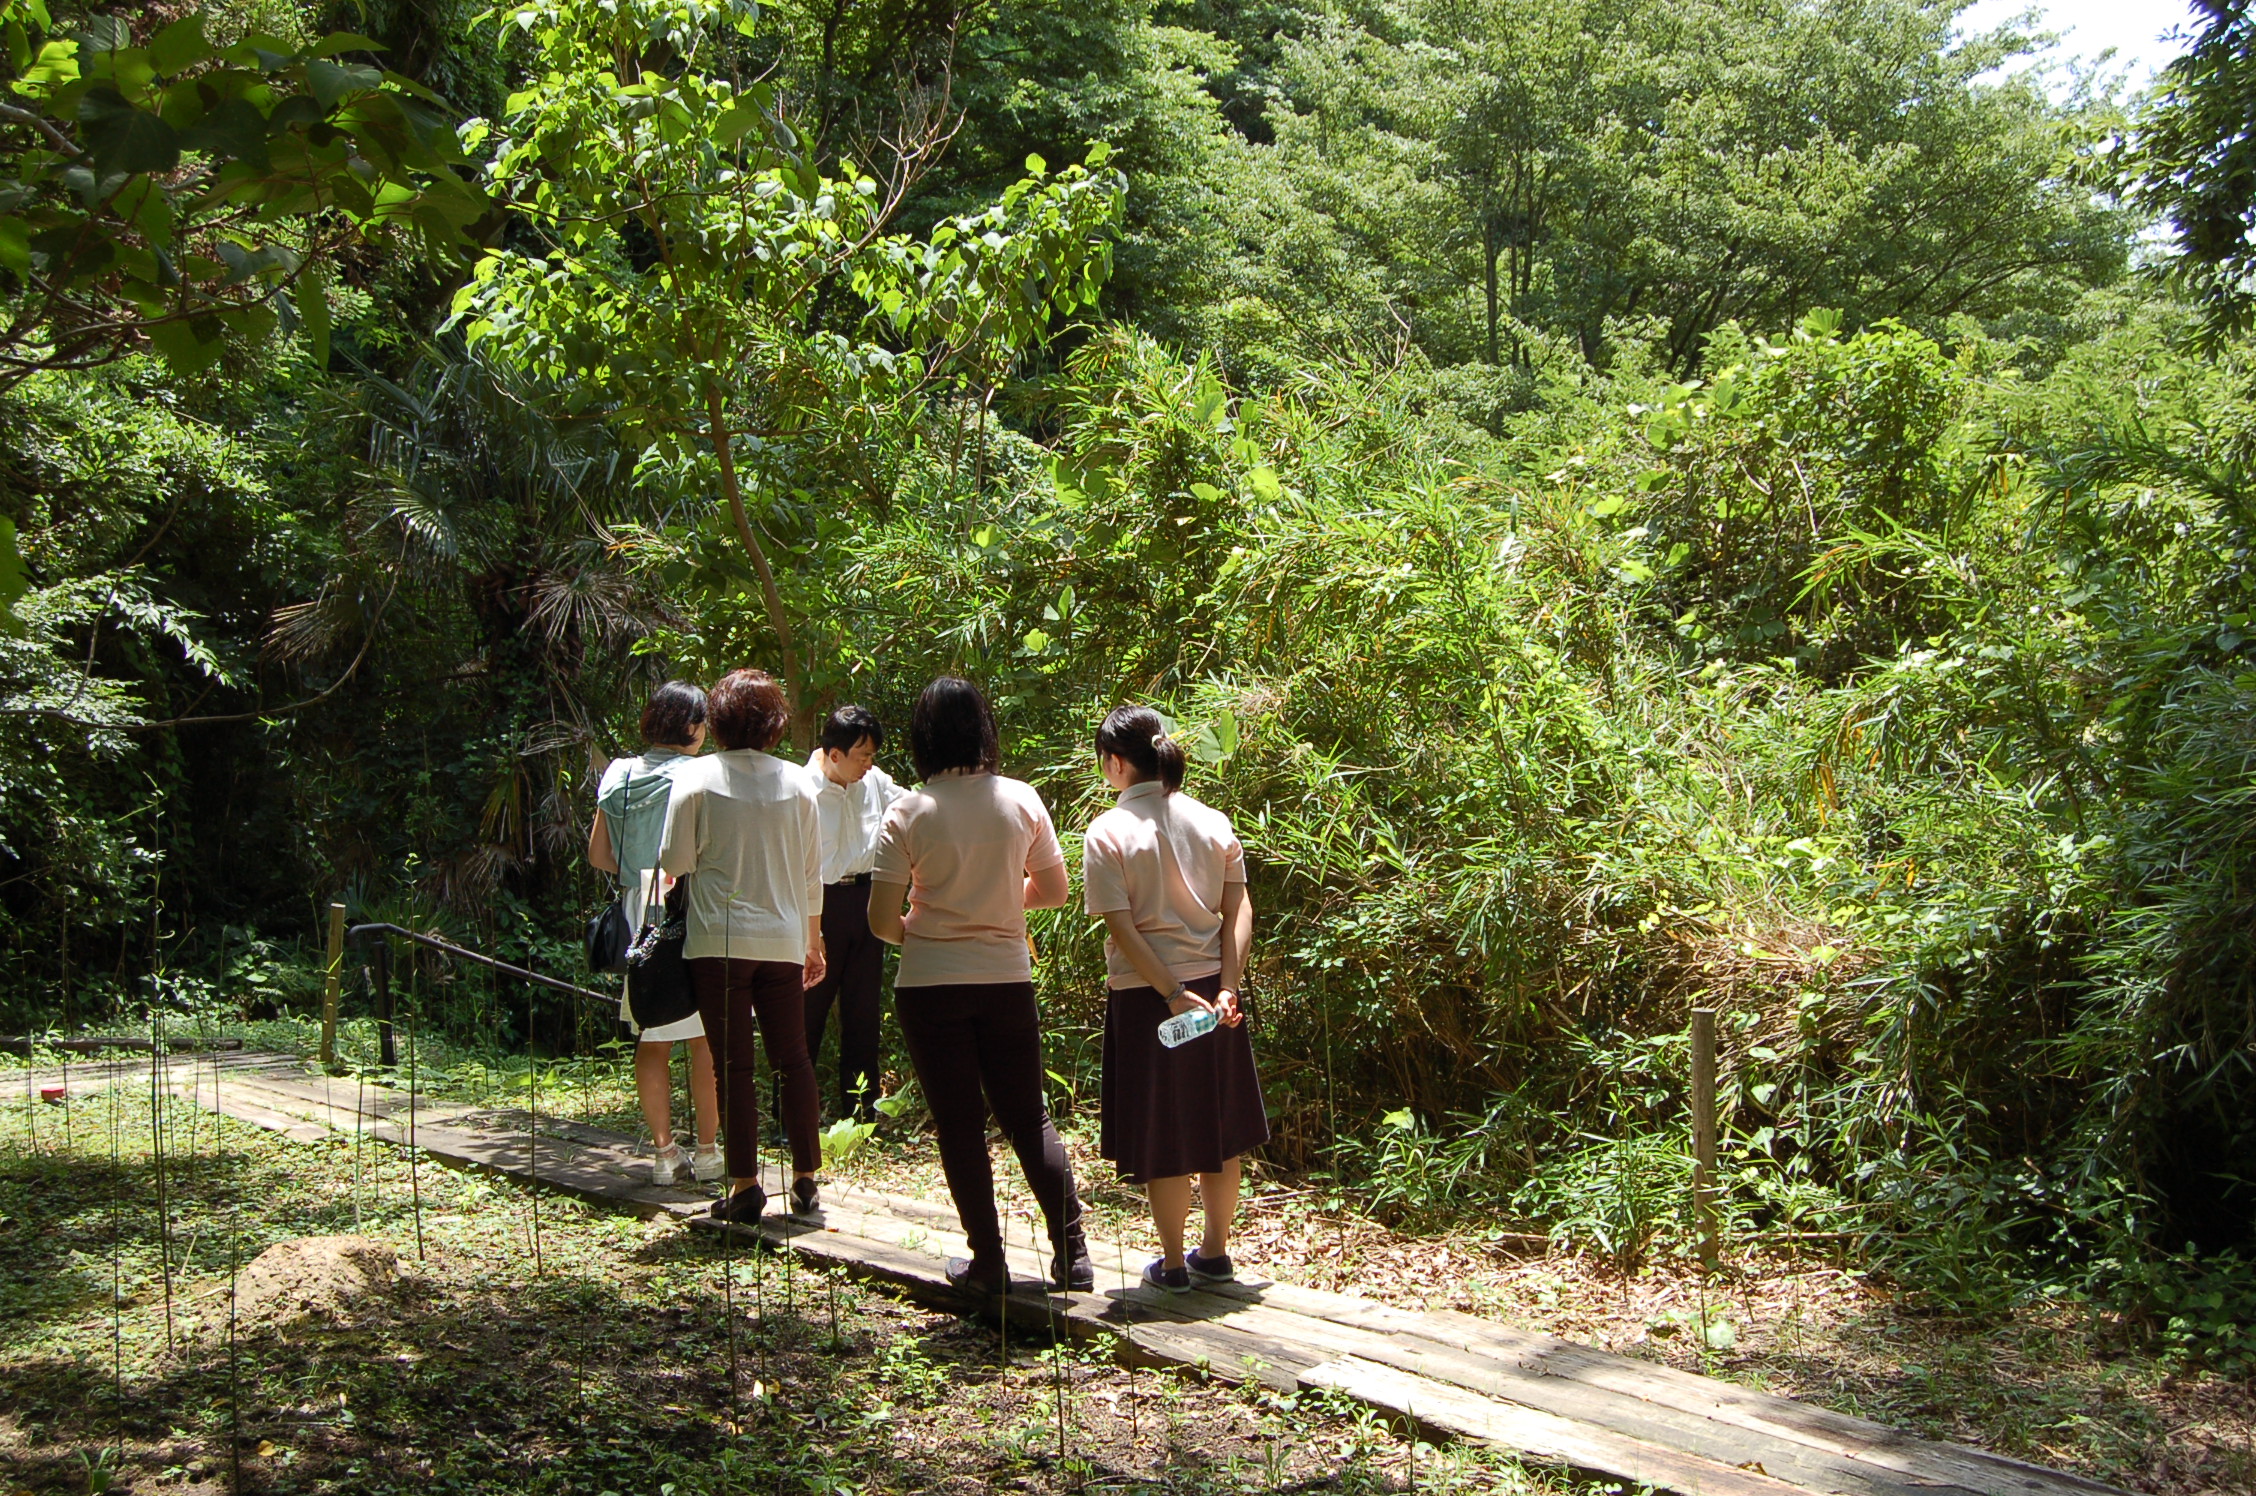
(602, 1361)
(604, 1366)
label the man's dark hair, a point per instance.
(749, 710)
(953, 729)
(847, 726)
(675, 712)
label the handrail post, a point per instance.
(1704, 1133)
(330, 985)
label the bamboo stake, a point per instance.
(330, 985)
(1704, 1133)
(360, 1132)
(117, 1269)
(234, 1383)
(532, 1134)
(156, 1134)
(728, 1192)
(1059, 1381)
(1128, 1316)
(831, 1277)
(31, 1112)
(414, 1173)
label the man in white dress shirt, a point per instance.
(852, 797)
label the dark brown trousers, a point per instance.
(976, 1046)
(746, 1003)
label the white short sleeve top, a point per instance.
(743, 829)
(963, 844)
(1164, 859)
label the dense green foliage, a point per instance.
(1639, 506)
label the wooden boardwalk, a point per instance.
(1452, 1374)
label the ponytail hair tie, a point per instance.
(1158, 738)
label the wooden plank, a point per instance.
(1082, 1316)
(243, 1109)
(1684, 1433)
(105, 1046)
(1546, 1438)
(1548, 1398)
(1925, 1463)
(1831, 1452)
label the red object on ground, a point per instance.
(54, 1094)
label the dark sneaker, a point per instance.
(1205, 1269)
(742, 1208)
(1173, 1279)
(805, 1201)
(974, 1276)
(1074, 1274)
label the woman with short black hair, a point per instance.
(631, 802)
(743, 831)
(971, 851)
(1166, 874)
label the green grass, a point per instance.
(604, 1368)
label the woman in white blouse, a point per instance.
(742, 830)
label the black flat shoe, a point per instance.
(978, 1277)
(742, 1208)
(805, 1199)
(1077, 1276)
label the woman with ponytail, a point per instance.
(1166, 874)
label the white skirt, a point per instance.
(692, 1027)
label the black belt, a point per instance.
(858, 878)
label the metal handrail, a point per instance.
(609, 999)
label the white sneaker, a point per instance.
(708, 1164)
(665, 1163)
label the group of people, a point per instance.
(763, 892)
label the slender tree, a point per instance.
(692, 273)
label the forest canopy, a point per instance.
(1634, 504)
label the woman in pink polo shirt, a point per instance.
(971, 852)
(1167, 876)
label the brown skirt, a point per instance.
(1170, 1112)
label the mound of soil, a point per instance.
(328, 1280)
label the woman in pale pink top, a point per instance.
(1167, 876)
(971, 852)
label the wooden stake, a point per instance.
(1704, 1133)
(330, 984)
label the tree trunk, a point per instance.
(1489, 250)
(717, 429)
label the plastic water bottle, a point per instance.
(1186, 1026)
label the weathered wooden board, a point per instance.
(1546, 1398)
(1542, 1435)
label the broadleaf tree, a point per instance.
(166, 192)
(162, 192)
(684, 267)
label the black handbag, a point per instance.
(608, 938)
(658, 985)
(610, 935)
